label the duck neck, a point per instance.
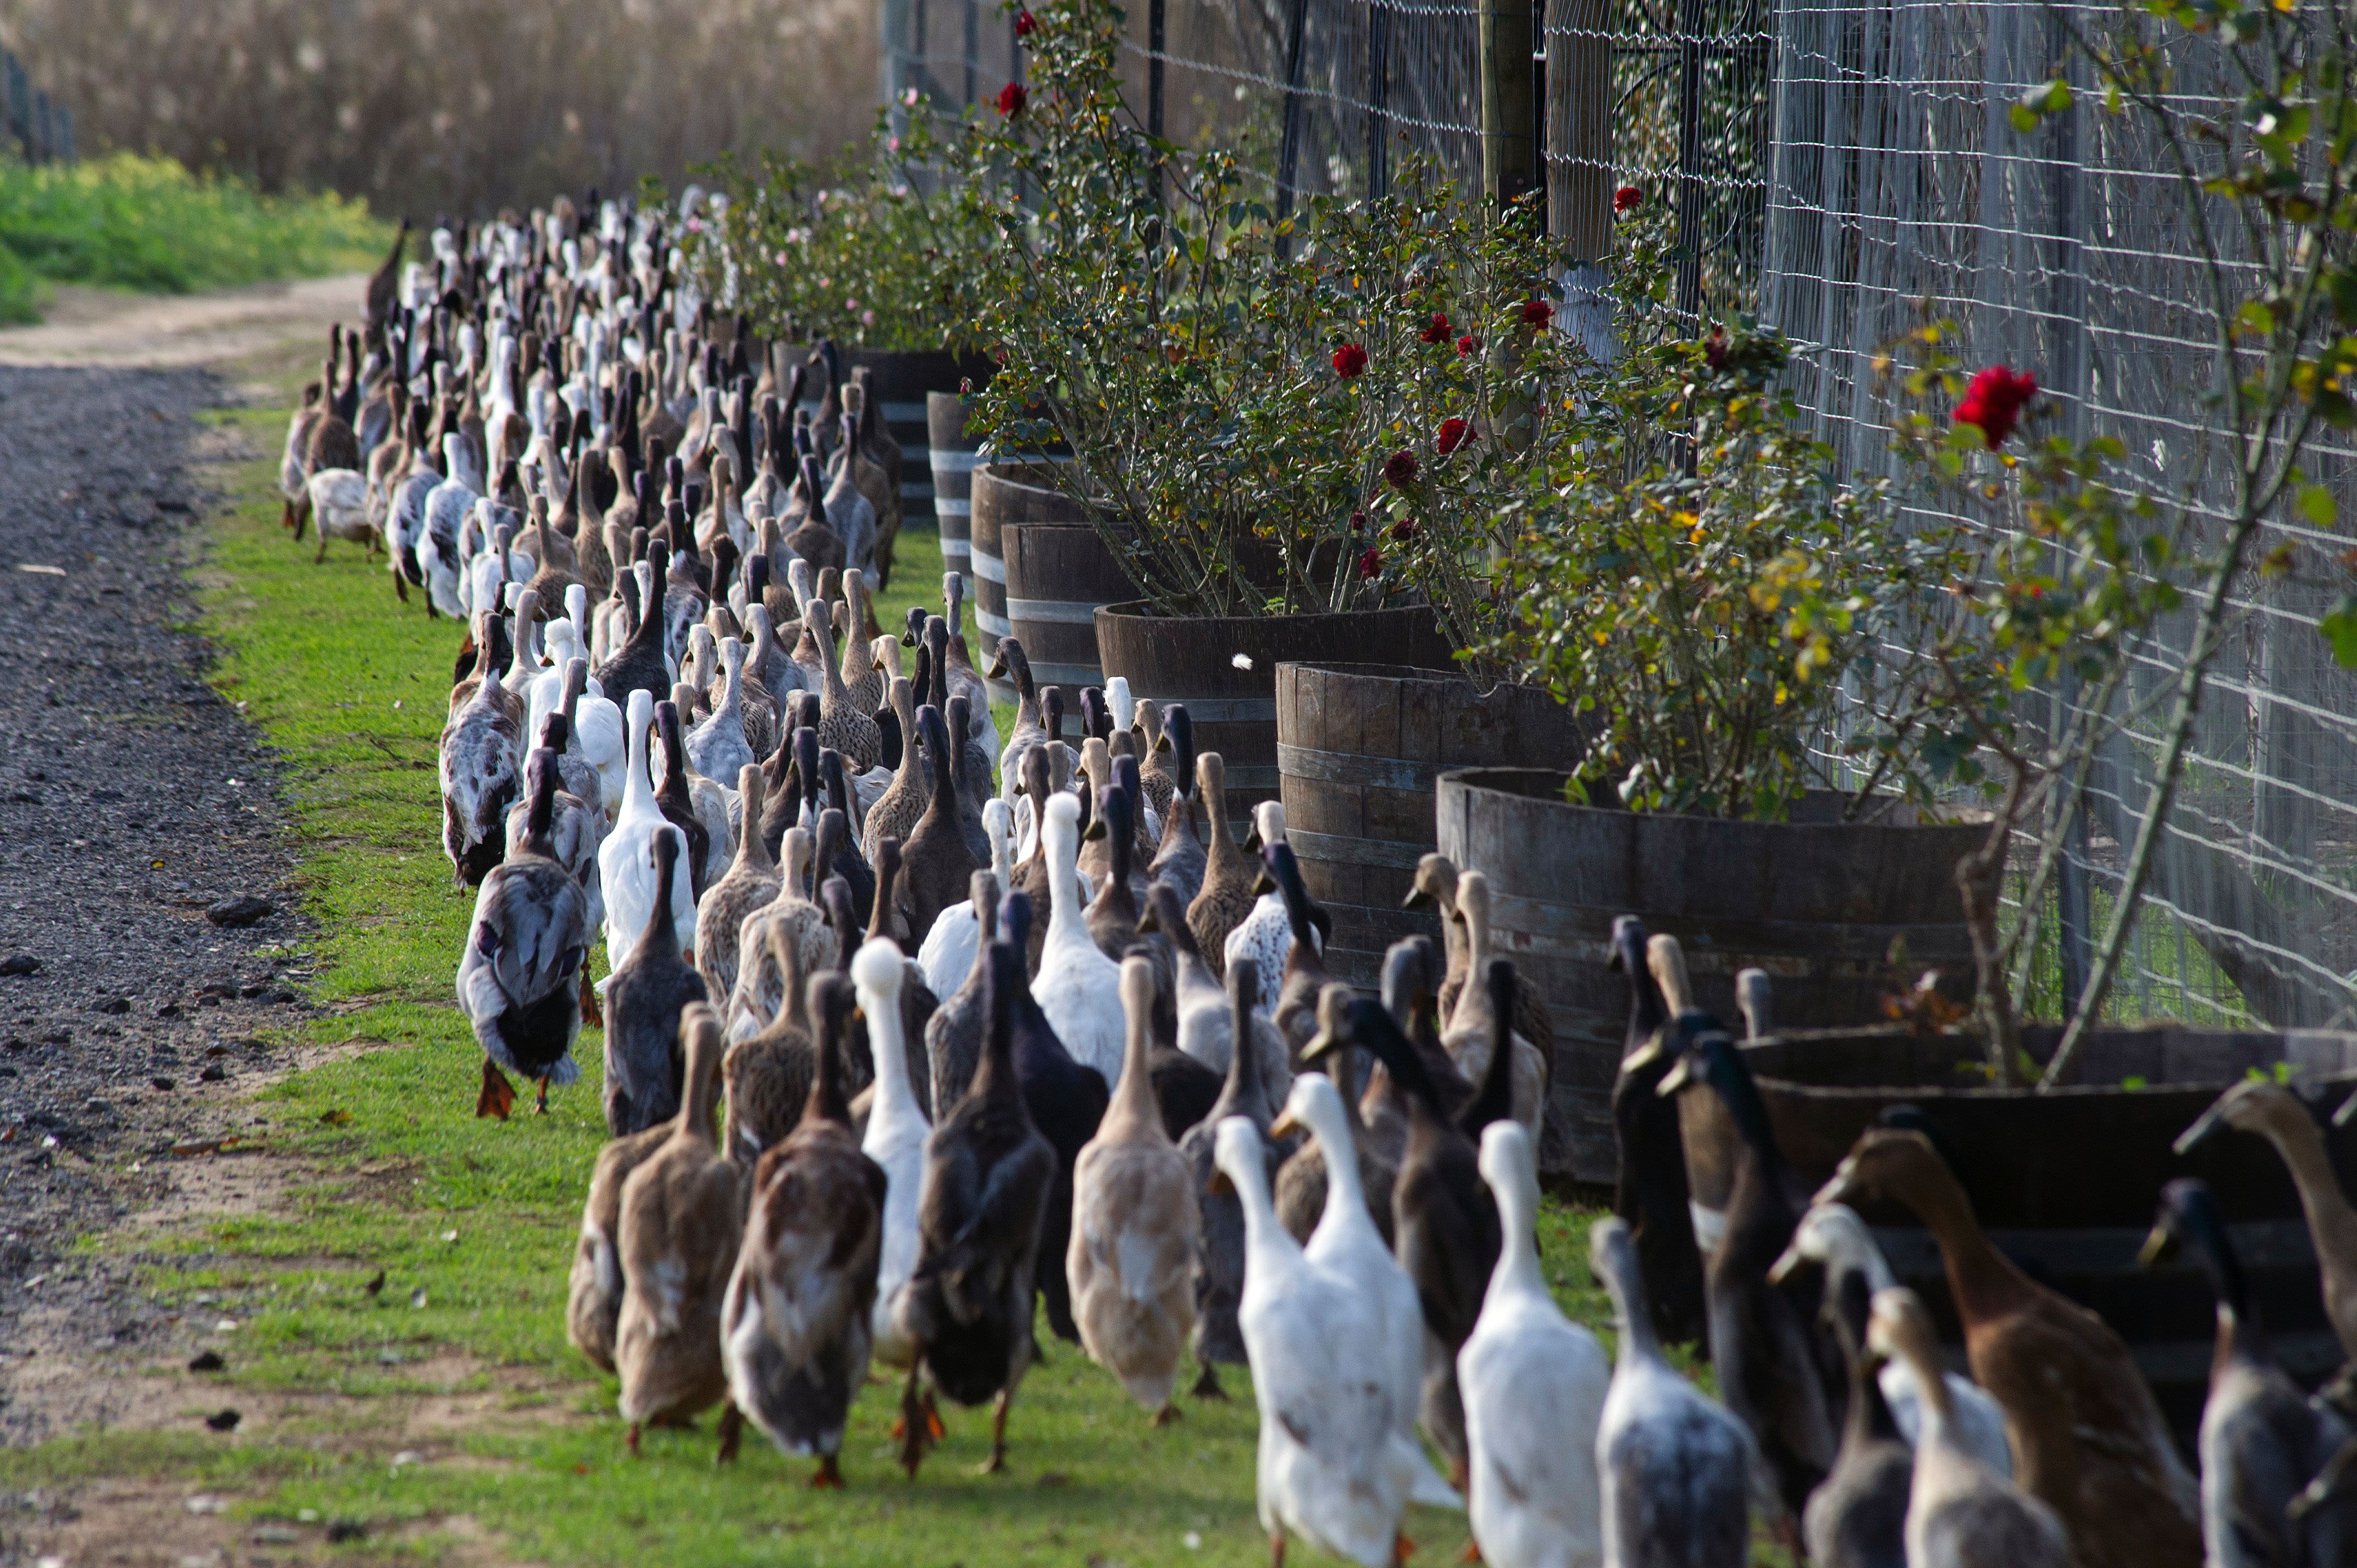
(1983, 1281)
(2331, 1220)
(702, 1093)
(637, 787)
(1518, 1268)
(1332, 1126)
(1065, 918)
(1132, 1097)
(1250, 1183)
(884, 1044)
(1640, 1345)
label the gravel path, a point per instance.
(132, 798)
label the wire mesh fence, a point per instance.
(1838, 167)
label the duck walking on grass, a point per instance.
(520, 977)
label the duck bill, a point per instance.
(1418, 899)
(1284, 1126)
(997, 670)
(2348, 1112)
(1785, 1266)
(2157, 1248)
(1676, 1079)
(2208, 1121)
(1643, 1057)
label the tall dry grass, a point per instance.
(457, 106)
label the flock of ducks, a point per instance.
(896, 1055)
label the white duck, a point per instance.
(625, 867)
(1329, 1468)
(1266, 934)
(1347, 1242)
(1673, 1468)
(338, 500)
(950, 949)
(1534, 1383)
(1077, 987)
(1832, 1236)
(448, 506)
(897, 1129)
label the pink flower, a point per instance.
(1628, 198)
(1012, 98)
(781, 258)
(1993, 401)
(892, 144)
(1537, 313)
(1350, 359)
(1400, 469)
(909, 97)
(1454, 433)
(868, 319)
(696, 225)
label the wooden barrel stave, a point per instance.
(950, 457)
(1057, 576)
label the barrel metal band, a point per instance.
(946, 461)
(1046, 674)
(1715, 945)
(990, 568)
(1060, 612)
(1352, 768)
(1336, 848)
(990, 623)
(950, 505)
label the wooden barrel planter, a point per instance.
(1359, 750)
(1194, 660)
(1814, 901)
(1059, 571)
(2066, 1182)
(952, 459)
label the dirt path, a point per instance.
(133, 799)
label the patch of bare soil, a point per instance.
(89, 327)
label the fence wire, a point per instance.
(1836, 168)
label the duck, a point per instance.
(937, 864)
(966, 1311)
(918, 1002)
(1078, 988)
(1773, 1369)
(690, 802)
(1468, 1032)
(1111, 915)
(2088, 1438)
(970, 772)
(1225, 897)
(954, 940)
(1027, 731)
(963, 678)
(336, 501)
(838, 851)
(641, 665)
(2261, 1437)
(1858, 1519)
(480, 771)
(1157, 764)
(752, 882)
(1960, 1514)
(1220, 1261)
(894, 1140)
(682, 1214)
(863, 680)
(1534, 1384)
(626, 865)
(1067, 1099)
(759, 993)
(1329, 1468)
(2275, 1113)
(293, 464)
(576, 827)
(1673, 1468)
(1445, 1222)
(717, 748)
(1650, 1194)
(769, 1074)
(593, 1294)
(1294, 1012)
(953, 1035)
(1347, 1242)
(896, 811)
(646, 997)
(1181, 859)
(797, 1323)
(1135, 1226)
(520, 977)
(1302, 1190)
(1832, 1236)
(1265, 931)
(1207, 1019)
(1406, 986)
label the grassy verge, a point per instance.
(150, 226)
(472, 1223)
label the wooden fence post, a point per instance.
(1580, 160)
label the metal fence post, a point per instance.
(1288, 155)
(1509, 153)
(1379, 85)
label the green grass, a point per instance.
(480, 1216)
(149, 226)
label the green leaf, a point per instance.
(2316, 505)
(2339, 629)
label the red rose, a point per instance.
(1437, 329)
(1025, 24)
(1628, 198)
(1716, 347)
(1358, 523)
(1454, 433)
(1011, 98)
(1400, 469)
(1468, 343)
(1403, 530)
(1349, 360)
(1993, 401)
(1370, 565)
(1537, 313)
